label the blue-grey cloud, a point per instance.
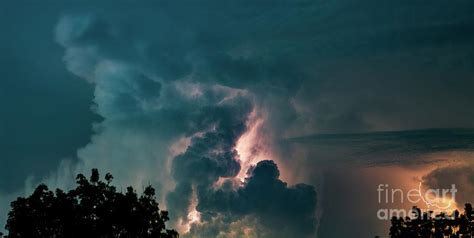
(268, 199)
(380, 148)
(163, 75)
(45, 113)
(160, 106)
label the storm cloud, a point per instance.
(169, 90)
(195, 103)
(268, 199)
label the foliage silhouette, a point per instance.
(441, 225)
(93, 209)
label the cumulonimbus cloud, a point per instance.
(169, 79)
(148, 110)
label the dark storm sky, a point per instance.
(157, 71)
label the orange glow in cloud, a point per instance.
(438, 202)
(250, 146)
(193, 217)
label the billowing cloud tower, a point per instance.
(187, 114)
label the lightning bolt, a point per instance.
(429, 204)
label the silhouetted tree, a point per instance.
(93, 209)
(440, 226)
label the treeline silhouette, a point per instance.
(427, 225)
(93, 209)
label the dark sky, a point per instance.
(163, 92)
(46, 112)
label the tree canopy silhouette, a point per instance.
(93, 209)
(427, 225)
